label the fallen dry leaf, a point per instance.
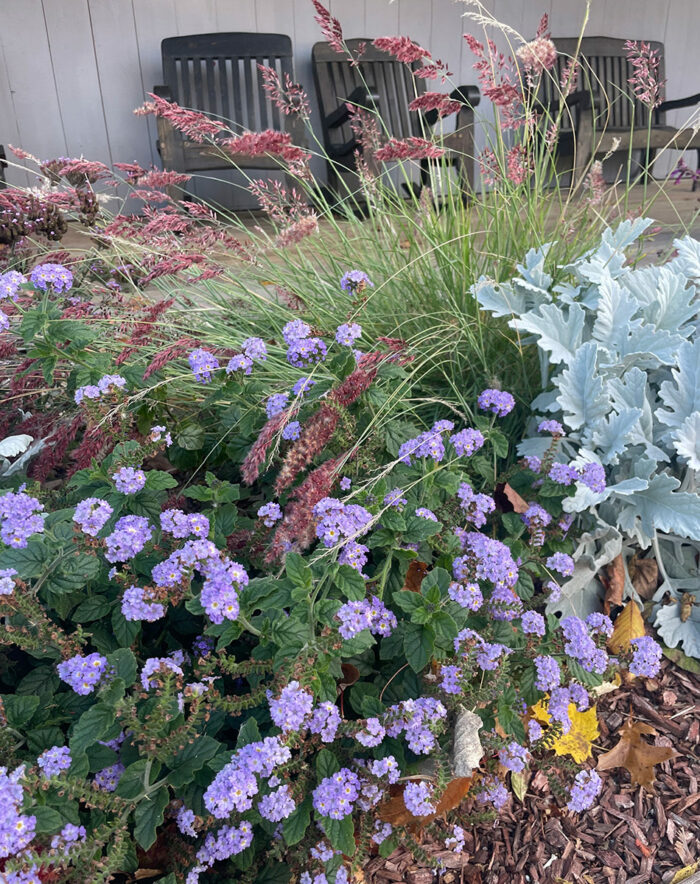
(508, 500)
(635, 755)
(684, 873)
(414, 576)
(467, 750)
(578, 742)
(394, 811)
(614, 584)
(687, 602)
(644, 574)
(519, 782)
(628, 625)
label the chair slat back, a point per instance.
(335, 78)
(605, 69)
(218, 74)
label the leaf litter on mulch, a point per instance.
(631, 836)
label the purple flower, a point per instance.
(345, 483)
(646, 657)
(493, 792)
(372, 734)
(240, 362)
(278, 805)
(302, 386)
(227, 842)
(7, 584)
(581, 646)
(236, 783)
(160, 665)
(69, 836)
(354, 554)
(514, 757)
(548, 673)
(497, 401)
(533, 623)
(254, 348)
(534, 730)
(417, 798)
(54, 760)
(450, 679)
(532, 462)
(593, 476)
(185, 820)
(306, 351)
(554, 591)
(10, 283)
(16, 829)
(291, 708)
(181, 525)
(586, 788)
(456, 841)
(295, 330)
(276, 403)
(136, 605)
(347, 333)
(292, 431)
(579, 696)
(92, 514)
(335, 795)
(357, 616)
(467, 596)
(339, 521)
(466, 442)
(385, 767)
(428, 444)
(562, 563)
(83, 673)
(4, 321)
(20, 519)
(57, 276)
(476, 506)
(563, 473)
(424, 513)
(600, 623)
(325, 721)
(203, 365)
(128, 480)
(558, 707)
(381, 831)
(396, 499)
(90, 391)
(108, 778)
(355, 281)
(130, 535)
(270, 513)
(158, 433)
(553, 427)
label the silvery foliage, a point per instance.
(620, 359)
(22, 445)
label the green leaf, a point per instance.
(298, 571)
(19, 709)
(125, 631)
(418, 529)
(97, 758)
(448, 481)
(438, 578)
(418, 645)
(74, 572)
(191, 759)
(131, 783)
(149, 815)
(94, 608)
(499, 442)
(42, 680)
(48, 820)
(408, 601)
(157, 480)
(296, 824)
(513, 524)
(396, 433)
(124, 663)
(278, 873)
(190, 437)
(91, 726)
(198, 492)
(28, 562)
(445, 628)
(247, 733)
(326, 764)
(112, 693)
(392, 520)
(350, 582)
(341, 834)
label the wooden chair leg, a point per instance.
(697, 171)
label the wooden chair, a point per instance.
(381, 84)
(218, 75)
(3, 166)
(604, 107)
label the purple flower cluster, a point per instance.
(185, 820)
(415, 718)
(381, 831)
(428, 444)
(417, 798)
(335, 795)
(290, 710)
(339, 521)
(68, 837)
(325, 721)
(236, 784)
(276, 404)
(467, 441)
(57, 276)
(306, 351)
(302, 386)
(487, 654)
(129, 480)
(182, 525)
(19, 518)
(450, 683)
(54, 760)
(278, 805)
(158, 432)
(92, 514)
(364, 614)
(533, 623)
(493, 792)
(563, 474)
(466, 595)
(536, 518)
(395, 498)
(110, 383)
(137, 605)
(83, 673)
(355, 281)
(347, 333)
(255, 348)
(600, 623)
(562, 563)
(534, 730)
(514, 757)
(456, 840)
(7, 584)
(160, 665)
(581, 646)
(646, 657)
(532, 462)
(292, 431)
(16, 829)
(203, 365)
(385, 767)
(498, 402)
(354, 554)
(130, 535)
(295, 330)
(424, 513)
(10, 283)
(227, 842)
(485, 559)
(475, 506)
(270, 513)
(586, 788)
(239, 362)
(550, 426)
(548, 673)
(108, 778)
(593, 476)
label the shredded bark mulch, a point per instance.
(629, 837)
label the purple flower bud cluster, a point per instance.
(548, 673)
(354, 554)
(385, 767)
(533, 623)
(485, 559)
(203, 365)
(550, 426)
(487, 654)
(563, 473)
(57, 276)
(347, 333)
(16, 829)
(534, 730)
(562, 563)
(228, 841)
(302, 386)
(290, 710)
(450, 683)
(579, 696)
(424, 513)
(10, 283)
(646, 657)
(306, 351)
(599, 623)
(158, 433)
(137, 604)
(83, 673)
(68, 837)
(467, 441)
(276, 404)
(586, 788)
(295, 330)
(239, 362)
(19, 518)
(339, 521)
(418, 797)
(593, 476)
(236, 784)
(160, 665)
(415, 718)
(532, 462)
(7, 584)
(475, 506)
(514, 757)
(278, 805)
(54, 760)
(381, 831)
(355, 281)
(498, 402)
(456, 840)
(92, 514)
(270, 513)
(395, 498)
(466, 595)
(554, 591)
(325, 721)
(106, 385)
(182, 525)
(504, 603)
(493, 792)
(359, 615)
(108, 778)
(429, 444)
(185, 820)
(581, 646)
(128, 480)
(130, 535)
(291, 431)
(335, 795)
(536, 518)
(255, 348)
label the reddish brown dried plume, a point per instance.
(250, 469)
(315, 435)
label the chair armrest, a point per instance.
(469, 96)
(360, 97)
(690, 101)
(163, 92)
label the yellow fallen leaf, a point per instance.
(607, 687)
(519, 783)
(578, 742)
(628, 625)
(684, 873)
